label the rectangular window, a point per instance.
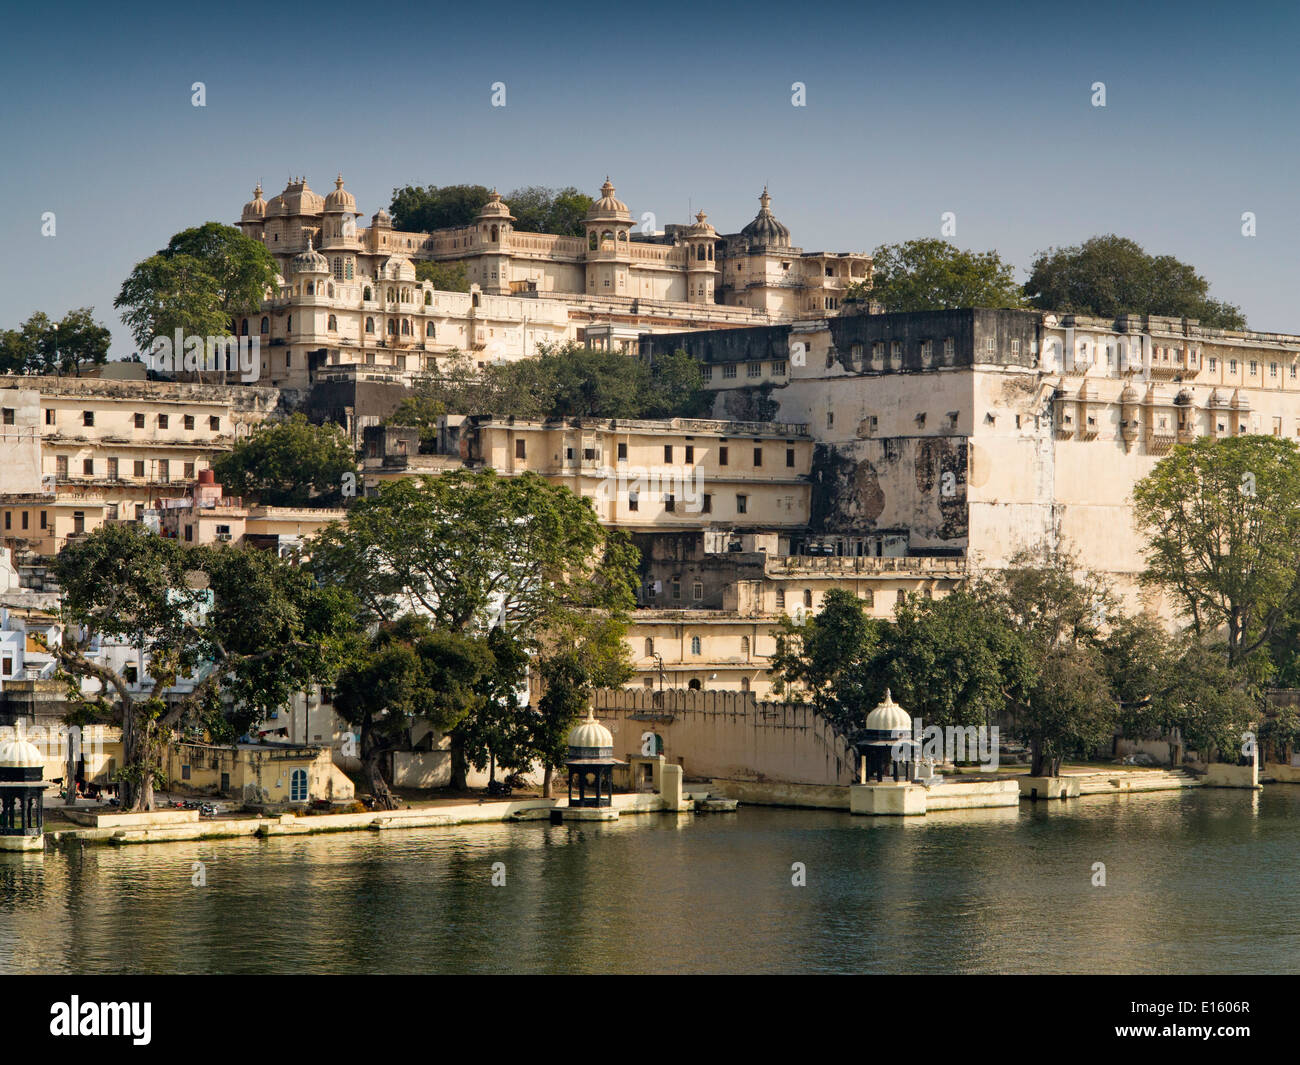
(706, 373)
(9, 519)
(164, 470)
(1015, 347)
(789, 456)
(44, 520)
(24, 519)
(1232, 366)
(162, 421)
(670, 503)
(729, 370)
(49, 415)
(1272, 369)
(87, 417)
(668, 452)
(1214, 364)
(8, 415)
(189, 421)
(758, 457)
(708, 501)
(521, 449)
(633, 501)
(1254, 367)
(112, 469)
(690, 453)
(742, 504)
(677, 589)
(697, 591)
(830, 419)
(722, 456)
(189, 471)
(778, 369)
(780, 599)
(214, 423)
(138, 469)
(139, 421)
(88, 467)
(622, 452)
(754, 369)
(61, 467)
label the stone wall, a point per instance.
(729, 735)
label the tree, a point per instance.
(241, 629)
(422, 210)
(1108, 276)
(289, 463)
(200, 283)
(815, 655)
(494, 733)
(473, 551)
(544, 210)
(40, 346)
(446, 277)
(934, 275)
(1222, 520)
(411, 674)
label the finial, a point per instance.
(338, 181)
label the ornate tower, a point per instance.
(609, 245)
(494, 238)
(701, 268)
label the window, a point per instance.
(88, 467)
(780, 599)
(677, 589)
(214, 423)
(708, 503)
(722, 456)
(139, 468)
(668, 452)
(24, 519)
(87, 417)
(744, 645)
(164, 470)
(807, 597)
(927, 351)
(189, 421)
(8, 415)
(949, 347)
(778, 369)
(50, 415)
(1254, 367)
(1214, 364)
(139, 421)
(185, 772)
(189, 471)
(830, 419)
(633, 501)
(622, 452)
(61, 467)
(1232, 366)
(695, 645)
(9, 519)
(758, 457)
(162, 421)
(789, 456)
(729, 370)
(112, 469)
(742, 504)
(649, 647)
(44, 520)
(753, 369)
(298, 786)
(670, 503)
(690, 453)
(521, 449)
(706, 373)
(697, 589)
(1272, 369)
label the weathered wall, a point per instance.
(729, 735)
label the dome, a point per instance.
(702, 228)
(608, 207)
(340, 199)
(296, 199)
(765, 229)
(1129, 395)
(255, 209)
(496, 209)
(397, 268)
(20, 754)
(382, 219)
(591, 735)
(310, 261)
(889, 717)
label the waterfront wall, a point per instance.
(728, 735)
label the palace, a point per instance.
(350, 300)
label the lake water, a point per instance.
(1196, 881)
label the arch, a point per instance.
(694, 684)
(744, 684)
(695, 645)
(495, 234)
(311, 289)
(266, 324)
(370, 325)
(298, 785)
(330, 290)
(429, 330)
(807, 597)
(649, 646)
(428, 298)
(592, 240)
(243, 327)
(365, 293)
(392, 327)
(744, 645)
(333, 324)
(699, 253)
(406, 327)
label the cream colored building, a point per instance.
(978, 433)
(349, 295)
(83, 451)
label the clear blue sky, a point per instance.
(979, 109)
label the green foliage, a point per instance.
(289, 463)
(1222, 520)
(40, 346)
(248, 633)
(204, 279)
(823, 656)
(446, 277)
(536, 209)
(933, 275)
(1109, 276)
(568, 381)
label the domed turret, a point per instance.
(608, 208)
(340, 199)
(255, 209)
(310, 261)
(381, 219)
(496, 210)
(20, 753)
(765, 229)
(590, 739)
(888, 716)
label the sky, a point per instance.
(983, 110)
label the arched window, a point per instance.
(710, 253)
(406, 327)
(591, 240)
(370, 325)
(311, 290)
(243, 327)
(392, 327)
(744, 645)
(699, 253)
(649, 647)
(289, 327)
(428, 329)
(607, 235)
(390, 295)
(694, 684)
(365, 295)
(331, 291)
(298, 785)
(333, 324)
(266, 325)
(695, 645)
(428, 298)
(807, 597)
(494, 234)
(347, 272)
(744, 684)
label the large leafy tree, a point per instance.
(1110, 275)
(822, 657)
(934, 275)
(536, 209)
(445, 276)
(290, 463)
(1222, 521)
(223, 634)
(544, 210)
(43, 346)
(204, 280)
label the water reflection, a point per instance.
(1195, 881)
